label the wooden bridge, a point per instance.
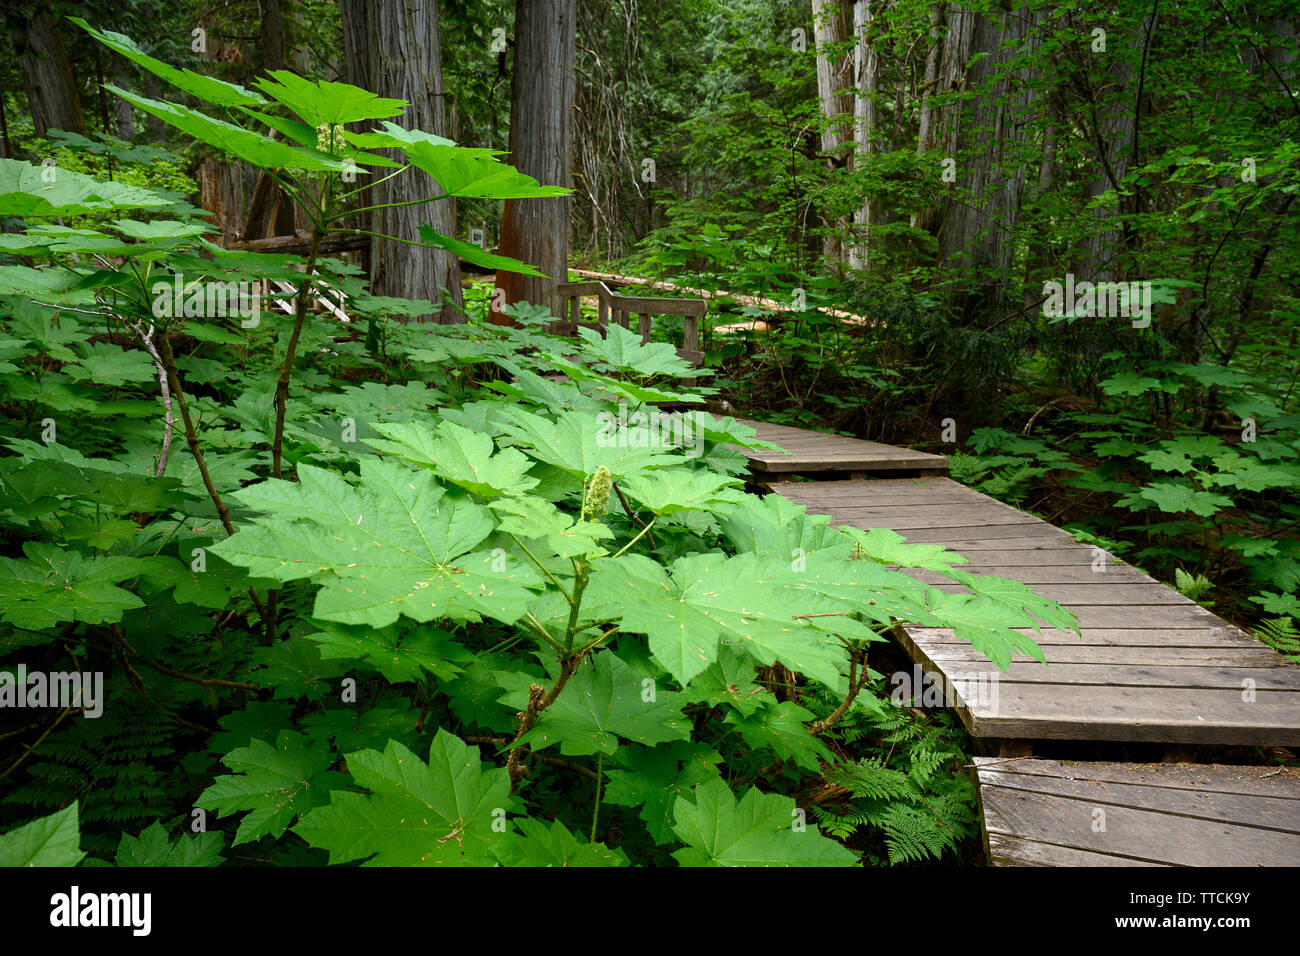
(1149, 667)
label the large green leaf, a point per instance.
(30, 190)
(396, 544)
(603, 702)
(475, 173)
(782, 727)
(668, 491)
(579, 443)
(276, 784)
(320, 102)
(624, 350)
(247, 145)
(653, 778)
(207, 88)
(54, 840)
(551, 844)
(55, 585)
(447, 812)
(532, 517)
(472, 253)
(761, 830)
(153, 847)
(463, 457)
(398, 656)
(708, 597)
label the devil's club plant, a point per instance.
(386, 607)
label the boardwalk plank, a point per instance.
(1049, 813)
(816, 451)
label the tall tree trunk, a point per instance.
(927, 218)
(536, 231)
(400, 47)
(47, 77)
(271, 36)
(356, 70)
(831, 29)
(865, 85)
(976, 240)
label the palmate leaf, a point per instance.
(439, 813)
(705, 597)
(206, 88)
(729, 681)
(667, 491)
(25, 191)
(654, 777)
(393, 136)
(56, 585)
(631, 391)
(783, 728)
(551, 844)
(462, 457)
(579, 443)
(532, 517)
(398, 656)
(246, 144)
(54, 840)
(153, 847)
(729, 431)
(472, 173)
(776, 528)
(396, 544)
(1171, 497)
(756, 831)
(103, 363)
(886, 546)
(601, 703)
(320, 102)
(623, 349)
(1017, 597)
(831, 580)
(276, 784)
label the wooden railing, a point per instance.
(621, 307)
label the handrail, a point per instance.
(620, 308)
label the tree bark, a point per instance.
(536, 231)
(47, 76)
(393, 48)
(865, 84)
(831, 26)
(976, 239)
(272, 35)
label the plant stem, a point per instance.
(595, 813)
(538, 701)
(286, 368)
(192, 439)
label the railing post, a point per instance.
(643, 326)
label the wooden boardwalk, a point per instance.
(1053, 813)
(807, 452)
(1148, 665)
